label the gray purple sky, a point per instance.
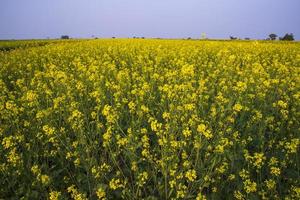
(25, 19)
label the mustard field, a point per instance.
(149, 119)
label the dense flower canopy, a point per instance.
(152, 119)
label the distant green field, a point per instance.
(6, 45)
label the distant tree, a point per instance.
(232, 37)
(247, 38)
(65, 37)
(189, 38)
(288, 37)
(272, 36)
(113, 37)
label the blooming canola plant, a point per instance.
(150, 119)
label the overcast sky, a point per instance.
(25, 19)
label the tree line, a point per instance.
(272, 36)
(286, 37)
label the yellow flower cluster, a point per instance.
(115, 184)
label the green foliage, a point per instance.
(287, 37)
(273, 36)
